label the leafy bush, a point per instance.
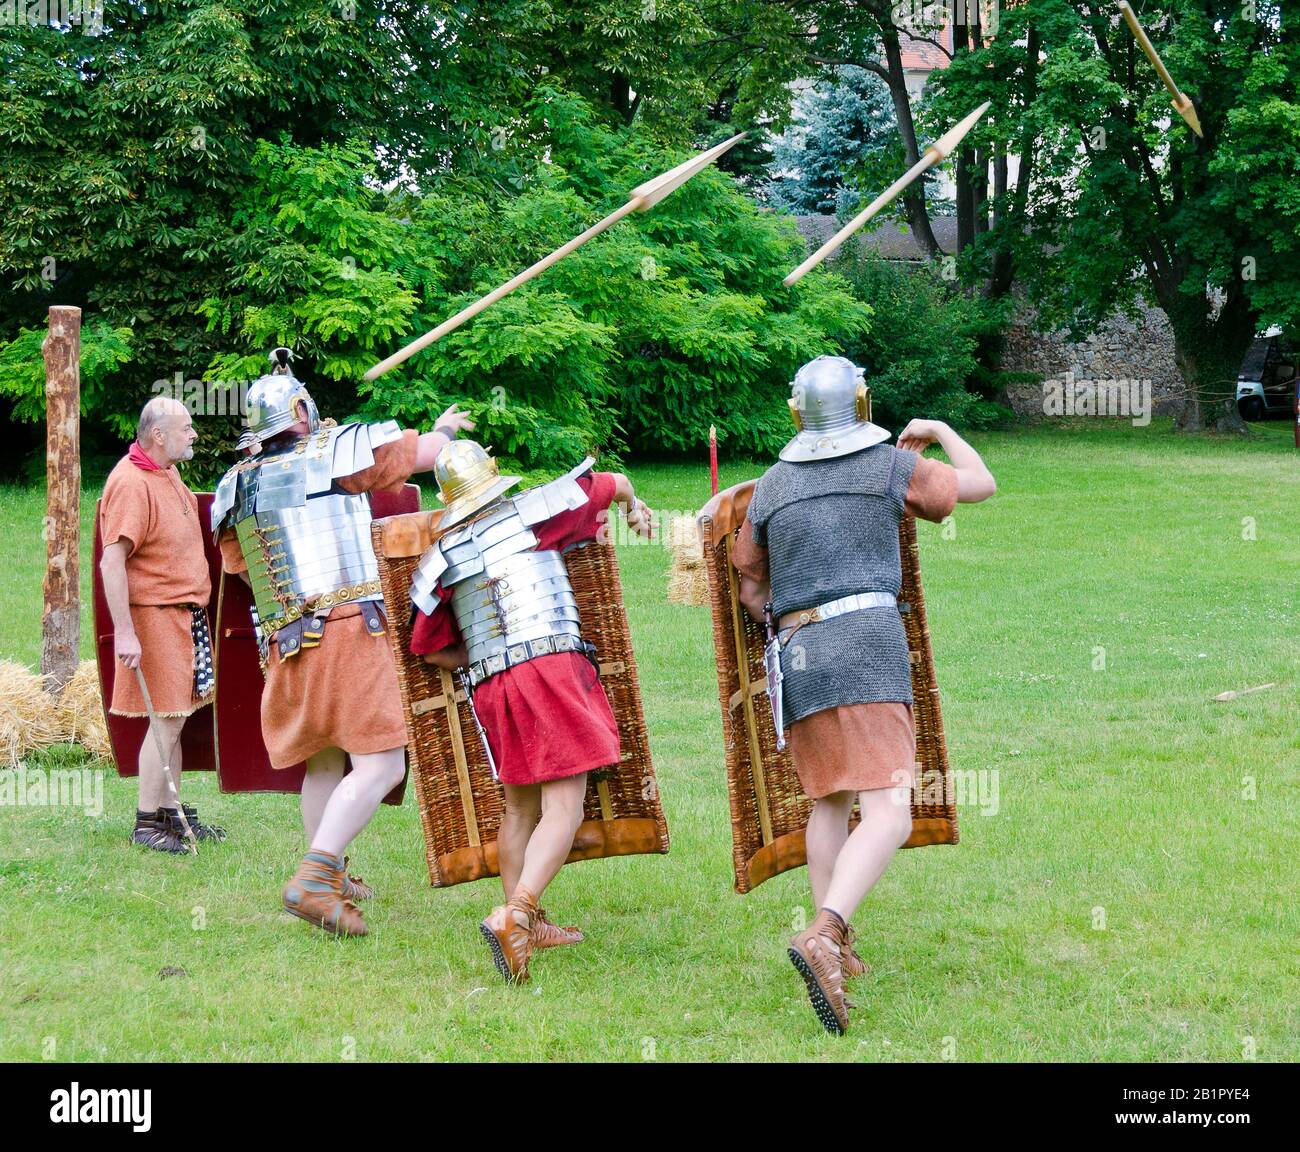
(923, 351)
(667, 323)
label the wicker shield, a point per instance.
(460, 803)
(241, 758)
(126, 734)
(768, 810)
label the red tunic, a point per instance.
(549, 717)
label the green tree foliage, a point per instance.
(669, 322)
(103, 351)
(1116, 195)
(921, 351)
(841, 124)
(121, 152)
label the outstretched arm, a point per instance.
(639, 517)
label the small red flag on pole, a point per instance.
(713, 458)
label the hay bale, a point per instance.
(82, 711)
(29, 716)
(688, 582)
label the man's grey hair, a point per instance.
(153, 414)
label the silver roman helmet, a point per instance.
(831, 406)
(273, 402)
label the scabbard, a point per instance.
(478, 724)
(775, 677)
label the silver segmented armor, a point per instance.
(504, 591)
(306, 542)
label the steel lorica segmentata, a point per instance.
(306, 542)
(511, 601)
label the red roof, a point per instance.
(922, 56)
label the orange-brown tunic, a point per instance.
(157, 517)
(343, 693)
(858, 747)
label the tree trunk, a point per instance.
(980, 191)
(1209, 354)
(61, 615)
(913, 199)
(965, 201)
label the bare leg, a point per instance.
(523, 810)
(154, 793)
(886, 825)
(324, 771)
(552, 839)
(357, 798)
(828, 829)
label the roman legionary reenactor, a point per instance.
(819, 557)
(493, 598)
(293, 518)
(156, 583)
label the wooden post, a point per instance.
(61, 616)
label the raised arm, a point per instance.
(451, 422)
(639, 517)
(974, 481)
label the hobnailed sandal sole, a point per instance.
(499, 955)
(821, 1004)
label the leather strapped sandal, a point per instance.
(853, 964)
(816, 953)
(154, 830)
(315, 894)
(201, 831)
(512, 944)
(354, 888)
(548, 935)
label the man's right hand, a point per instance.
(127, 648)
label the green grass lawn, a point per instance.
(1125, 899)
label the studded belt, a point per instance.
(832, 608)
(480, 670)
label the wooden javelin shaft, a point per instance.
(1139, 34)
(166, 759)
(509, 286)
(928, 160)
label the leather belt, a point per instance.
(832, 608)
(480, 670)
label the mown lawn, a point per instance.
(1128, 893)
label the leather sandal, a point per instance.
(354, 888)
(315, 894)
(201, 831)
(512, 944)
(816, 954)
(154, 830)
(548, 935)
(853, 964)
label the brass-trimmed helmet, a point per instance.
(273, 402)
(468, 480)
(831, 406)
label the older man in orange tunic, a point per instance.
(156, 581)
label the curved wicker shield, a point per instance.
(460, 803)
(768, 810)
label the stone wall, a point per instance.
(1120, 350)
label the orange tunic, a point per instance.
(858, 747)
(157, 517)
(344, 692)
